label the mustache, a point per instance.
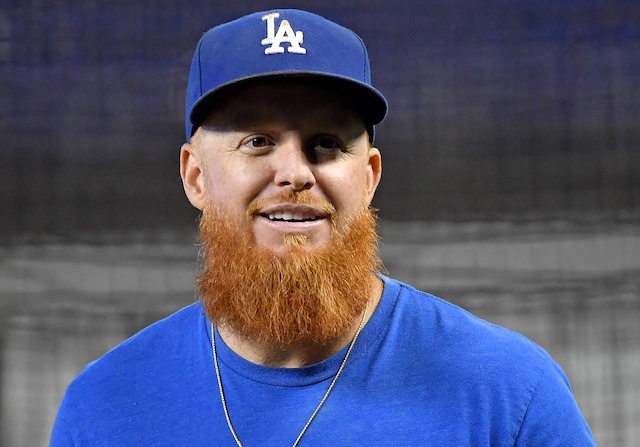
(294, 198)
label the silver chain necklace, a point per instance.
(324, 398)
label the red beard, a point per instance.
(284, 301)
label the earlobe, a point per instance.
(192, 175)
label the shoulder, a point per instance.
(133, 384)
(437, 318)
(487, 375)
(145, 353)
(443, 333)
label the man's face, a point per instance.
(273, 139)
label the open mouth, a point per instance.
(292, 213)
(287, 216)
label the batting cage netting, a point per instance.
(510, 180)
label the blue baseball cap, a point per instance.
(282, 43)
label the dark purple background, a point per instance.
(514, 109)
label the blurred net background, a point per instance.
(510, 187)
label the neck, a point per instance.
(304, 353)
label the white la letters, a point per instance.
(284, 34)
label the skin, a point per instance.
(274, 137)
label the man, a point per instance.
(297, 338)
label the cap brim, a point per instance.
(365, 100)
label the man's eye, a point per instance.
(259, 142)
(327, 143)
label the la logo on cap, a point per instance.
(284, 34)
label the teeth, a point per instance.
(291, 217)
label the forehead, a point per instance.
(296, 104)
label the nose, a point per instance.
(292, 167)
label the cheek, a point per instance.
(221, 185)
(346, 190)
(234, 185)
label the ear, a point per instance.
(374, 173)
(192, 175)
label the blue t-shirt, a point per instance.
(422, 373)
